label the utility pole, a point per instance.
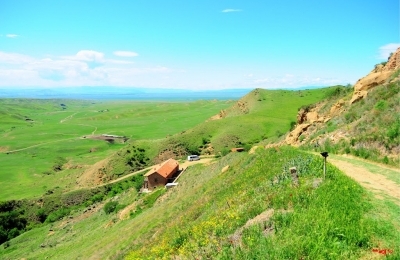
(324, 154)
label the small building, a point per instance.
(160, 174)
(238, 149)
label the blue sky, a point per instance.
(194, 44)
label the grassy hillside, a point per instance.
(260, 115)
(206, 216)
(46, 136)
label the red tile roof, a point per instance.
(166, 169)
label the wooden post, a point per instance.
(324, 154)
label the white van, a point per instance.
(193, 158)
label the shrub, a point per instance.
(41, 215)
(394, 130)
(133, 214)
(119, 207)
(150, 199)
(57, 215)
(380, 105)
(11, 225)
(110, 207)
(292, 125)
(386, 160)
(97, 198)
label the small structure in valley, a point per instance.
(237, 149)
(160, 174)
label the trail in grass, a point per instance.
(36, 145)
(68, 118)
(360, 170)
(44, 143)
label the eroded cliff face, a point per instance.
(379, 75)
(310, 119)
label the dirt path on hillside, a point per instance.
(68, 118)
(181, 166)
(186, 164)
(377, 183)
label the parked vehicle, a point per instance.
(193, 158)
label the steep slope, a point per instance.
(366, 125)
(378, 76)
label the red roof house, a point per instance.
(159, 175)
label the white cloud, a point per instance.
(85, 68)
(231, 10)
(92, 58)
(385, 50)
(14, 58)
(125, 53)
(10, 35)
(89, 55)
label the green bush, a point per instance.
(97, 197)
(380, 105)
(393, 131)
(150, 199)
(12, 223)
(57, 215)
(110, 207)
(119, 207)
(41, 215)
(386, 160)
(292, 125)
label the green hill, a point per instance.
(239, 206)
(260, 115)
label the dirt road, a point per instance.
(386, 184)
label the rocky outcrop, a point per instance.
(337, 107)
(242, 107)
(394, 62)
(293, 136)
(306, 117)
(313, 117)
(379, 75)
(302, 114)
(218, 116)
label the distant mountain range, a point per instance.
(118, 93)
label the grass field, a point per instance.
(44, 132)
(334, 219)
(47, 134)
